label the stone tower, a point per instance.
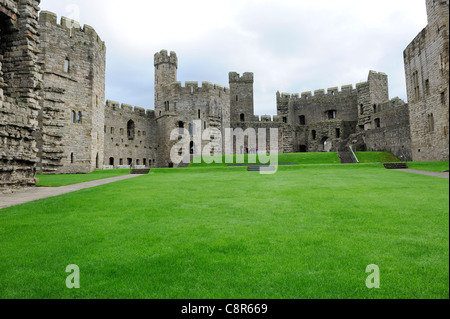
(166, 67)
(71, 137)
(427, 82)
(241, 97)
(20, 85)
(370, 95)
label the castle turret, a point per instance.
(165, 72)
(241, 97)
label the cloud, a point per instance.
(291, 46)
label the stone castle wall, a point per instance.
(20, 83)
(130, 136)
(72, 117)
(427, 81)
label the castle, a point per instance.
(54, 119)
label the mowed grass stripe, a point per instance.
(228, 233)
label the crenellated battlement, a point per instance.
(164, 57)
(193, 87)
(72, 27)
(334, 91)
(247, 77)
(116, 106)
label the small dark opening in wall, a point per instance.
(129, 161)
(111, 161)
(302, 120)
(170, 165)
(242, 118)
(284, 119)
(303, 149)
(377, 123)
(338, 133)
(314, 135)
(72, 158)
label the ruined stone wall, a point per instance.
(370, 94)
(315, 108)
(130, 136)
(427, 81)
(20, 82)
(390, 130)
(72, 118)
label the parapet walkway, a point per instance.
(32, 194)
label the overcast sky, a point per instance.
(291, 46)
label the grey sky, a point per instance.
(291, 46)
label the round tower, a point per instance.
(165, 72)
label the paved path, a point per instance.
(32, 194)
(442, 175)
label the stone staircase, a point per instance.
(345, 157)
(395, 165)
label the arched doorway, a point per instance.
(326, 144)
(111, 161)
(130, 129)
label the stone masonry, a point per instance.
(20, 83)
(54, 119)
(71, 121)
(427, 82)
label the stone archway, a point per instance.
(326, 144)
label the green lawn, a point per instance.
(376, 157)
(70, 179)
(299, 158)
(306, 232)
(429, 166)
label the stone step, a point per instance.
(395, 165)
(261, 169)
(142, 171)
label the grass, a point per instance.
(299, 158)
(306, 232)
(429, 166)
(376, 157)
(70, 179)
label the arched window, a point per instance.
(72, 158)
(130, 129)
(79, 117)
(374, 108)
(73, 117)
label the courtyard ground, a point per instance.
(308, 231)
